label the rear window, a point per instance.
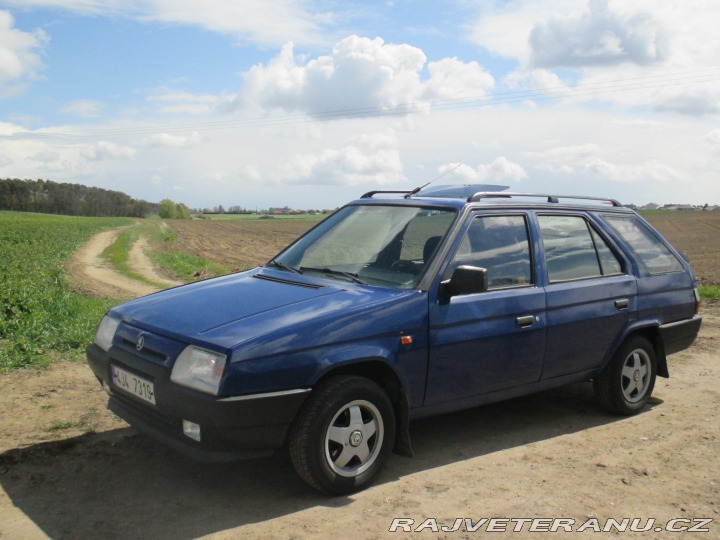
(656, 256)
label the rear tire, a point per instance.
(343, 435)
(627, 382)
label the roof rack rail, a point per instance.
(370, 194)
(550, 198)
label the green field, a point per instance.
(41, 317)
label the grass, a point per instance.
(59, 426)
(40, 317)
(187, 267)
(710, 292)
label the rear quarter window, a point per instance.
(654, 254)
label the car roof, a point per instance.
(487, 195)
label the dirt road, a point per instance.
(92, 275)
(69, 470)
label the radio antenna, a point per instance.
(414, 191)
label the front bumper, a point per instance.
(231, 428)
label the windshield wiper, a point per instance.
(283, 266)
(342, 273)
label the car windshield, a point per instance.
(381, 245)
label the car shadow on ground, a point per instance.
(121, 484)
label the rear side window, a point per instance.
(573, 250)
(656, 256)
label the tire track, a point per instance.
(90, 274)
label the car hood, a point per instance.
(261, 305)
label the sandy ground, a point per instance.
(69, 469)
(141, 263)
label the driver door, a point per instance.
(492, 340)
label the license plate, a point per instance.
(133, 384)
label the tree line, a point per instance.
(48, 197)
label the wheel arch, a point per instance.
(381, 372)
(651, 332)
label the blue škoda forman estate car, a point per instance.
(398, 306)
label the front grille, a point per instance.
(155, 348)
(145, 350)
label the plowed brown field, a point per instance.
(237, 245)
(697, 234)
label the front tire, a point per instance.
(343, 435)
(627, 382)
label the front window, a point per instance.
(499, 244)
(375, 244)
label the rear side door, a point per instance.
(489, 341)
(591, 294)
(665, 283)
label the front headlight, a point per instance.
(200, 369)
(106, 332)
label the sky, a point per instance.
(272, 103)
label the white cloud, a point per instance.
(648, 171)
(7, 129)
(105, 150)
(367, 160)
(360, 77)
(696, 101)
(251, 174)
(46, 156)
(450, 78)
(713, 137)
(173, 141)
(555, 158)
(590, 159)
(599, 37)
(634, 54)
(257, 21)
(504, 27)
(543, 79)
(84, 108)
(19, 55)
(497, 170)
(180, 102)
(360, 73)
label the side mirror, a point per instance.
(465, 280)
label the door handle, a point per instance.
(526, 321)
(622, 304)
